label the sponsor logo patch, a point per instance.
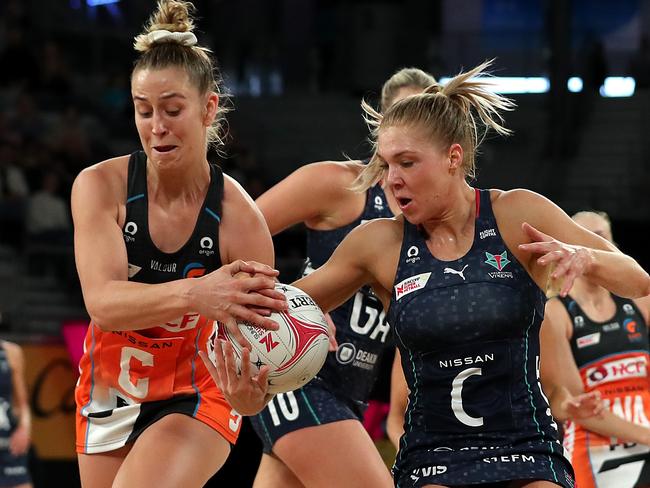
(409, 285)
(631, 367)
(588, 340)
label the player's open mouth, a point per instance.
(164, 149)
(403, 202)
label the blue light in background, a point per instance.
(95, 3)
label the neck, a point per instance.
(178, 182)
(457, 216)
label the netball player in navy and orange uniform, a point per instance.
(15, 418)
(160, 236)
(461, 272)
(297, 426)
(600, 344)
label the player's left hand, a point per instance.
(567, 262)
(583, 406)
(246, 393)
(19, 441)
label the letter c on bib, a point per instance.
(141, 387)
(457, 398)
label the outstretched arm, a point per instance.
(545, 239)
(316, 194)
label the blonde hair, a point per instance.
(449, 114)
(406, 77)
(196, 61)
(584, 213)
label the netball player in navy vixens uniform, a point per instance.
(296, 427)
(461, 272)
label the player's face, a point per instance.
(416, 171)
(171, 116)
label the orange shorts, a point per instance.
(129, 380)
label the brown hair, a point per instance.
(196, 61)
(406, 77)
(449, 113)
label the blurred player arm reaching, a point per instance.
(398, 402)
(20, 438)
(557, 244)
(313, 194)
(363, 258)
(563, 386)
(114, 303)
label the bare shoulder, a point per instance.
(330, 174)
(106, 179)
(234, 196)
(378, 241)
(517, 202)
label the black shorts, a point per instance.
(313, 404)
(482, 467)
(13, 469)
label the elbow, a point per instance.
(99, 316)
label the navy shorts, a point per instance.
(313, 404)
(494, 468)
(13, 469)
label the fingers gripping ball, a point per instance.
(295, 352)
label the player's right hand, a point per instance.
(222, 296)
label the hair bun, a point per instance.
(162, 35)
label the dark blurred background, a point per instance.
(297, 70)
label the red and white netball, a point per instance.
(295, 352)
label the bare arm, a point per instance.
(114, 303)
(316, 194)
(561, 379)
(367, 256)
(556, 240)
(19, 442)
(398, 402)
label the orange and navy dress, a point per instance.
(612, 357)
(130, 379)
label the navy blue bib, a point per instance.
(468, 333)
(361, 328)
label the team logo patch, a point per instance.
(632, 330)
(588, 340)
(193, 270)
(498, 261)
(622, 369)
(409, 285)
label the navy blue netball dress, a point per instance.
(468, 334)
(341, 388)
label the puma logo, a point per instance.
(459, 273)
